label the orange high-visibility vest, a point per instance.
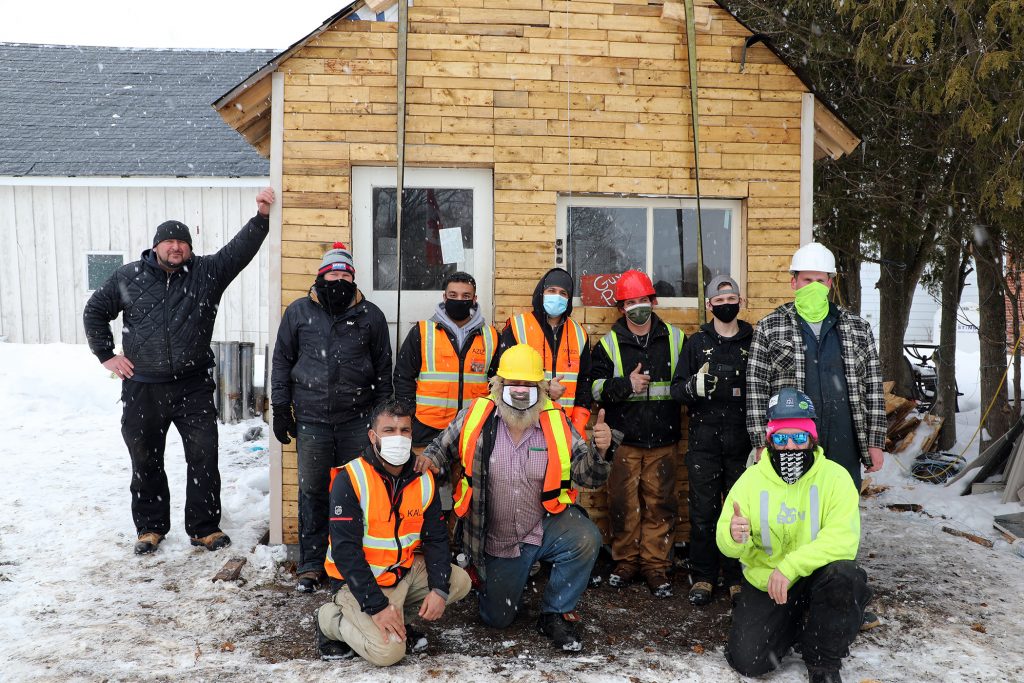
(527, 330)
(444, 383)
(390, 537)
(557, 492)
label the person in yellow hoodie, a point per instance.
(793, 523)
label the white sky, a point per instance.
(163, 23)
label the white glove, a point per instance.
(703, 383)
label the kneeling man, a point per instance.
(792, 521)
(520, 457)
(384, 514)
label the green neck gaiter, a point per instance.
(812, 302)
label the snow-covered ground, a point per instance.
(76, 604)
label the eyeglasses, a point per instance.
(800, 438)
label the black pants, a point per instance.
(149, 412)
(716, 458)
(823, 613)
(321, 447)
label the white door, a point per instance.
(447, 225)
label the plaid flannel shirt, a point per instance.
(777, 360)
(588, 470)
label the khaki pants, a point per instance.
(344, 620)
(642, 505)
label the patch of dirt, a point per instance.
(626, 620)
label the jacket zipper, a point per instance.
(167, 326)
(398, 520)
(461, 354)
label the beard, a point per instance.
(514, 418)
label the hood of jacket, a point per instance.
(538, 296)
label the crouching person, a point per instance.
(389, 541)
(792, 521)
(521, 456)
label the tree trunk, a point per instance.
(1013, 287)
(953, 275)
(903, 261)
(992, 336)
(848, 266)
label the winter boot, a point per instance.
(415, 641)
(561, 630)
(215, 541)
(309, 582)
(624, 573)
(734, 593)
(148, 543)
(870, 621)
(330, 649)
(658, 583)
(700, 593)
(817, 674)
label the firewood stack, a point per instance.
(905, 425)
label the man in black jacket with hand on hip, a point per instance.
(169, 299)
(331, 366)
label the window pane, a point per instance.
(100, 266)
(424, 213)
(678, 227)
(606, 240)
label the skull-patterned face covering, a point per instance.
(791, 465)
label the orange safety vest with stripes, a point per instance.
(390, 536)
(527, 330)
(444, 382)
(557, 492)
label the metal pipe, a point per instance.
(229, 390)
(246, 356)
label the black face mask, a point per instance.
(458, 310)
(725, 312)
(335, 295)
(791, 465)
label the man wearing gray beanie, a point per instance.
(169, 299)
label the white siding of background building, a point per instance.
(48, 225)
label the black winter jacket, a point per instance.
(331, 368)
(168, 317)
(728, 361)
(646, 424)
(346, 529)
(407, 371)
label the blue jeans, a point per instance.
(321, 447)
(571, 543)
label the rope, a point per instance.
(691, 54)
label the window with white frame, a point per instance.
(606, 235)
(99, 265)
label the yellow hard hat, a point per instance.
(521, 362)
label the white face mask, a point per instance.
(522, 402)
(395, 450)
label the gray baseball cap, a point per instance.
(713, 287)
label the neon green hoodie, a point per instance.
(796, 528)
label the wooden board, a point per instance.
(231, 570)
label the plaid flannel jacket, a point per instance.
(777, 360)
(588, 470)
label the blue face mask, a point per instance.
(555, 304)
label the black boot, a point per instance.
(561, 631)
(415, 641)
(817, 674)
(330, 649)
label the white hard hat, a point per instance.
(813, 256)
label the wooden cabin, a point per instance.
(551, 133)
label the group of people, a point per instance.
(483, 437)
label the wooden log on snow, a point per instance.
(970, 537)
(231, 570)
(909, 425)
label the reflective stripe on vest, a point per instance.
(388, 542)
(437, 388)
(656, 391)
(557, 491)
(527, 330)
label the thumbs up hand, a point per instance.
(739, 527)
(703, 383)
(555, 388)
(602, 434)
(639, 379)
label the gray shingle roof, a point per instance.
(103, 111)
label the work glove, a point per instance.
(703, 384)
(284, 423)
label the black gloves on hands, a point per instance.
(284, 423)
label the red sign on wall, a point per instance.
(599, 290)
